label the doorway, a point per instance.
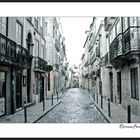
(18, 90)
(111, 86)
(41, 89)
(2, 93)
(119, 88)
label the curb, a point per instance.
(108, 120)
(46, 112)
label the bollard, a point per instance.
(57, 96)
(109, 114)
(25, 112)
(101, 101)
(97, 98)
(129, 113)
(52, 99)
(43, 103)
(115, 100)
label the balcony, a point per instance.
(40, 65)
(116, 54)
(93, 75)
(63, 72)
(131, 41)
(86, 63)
(95, 55)
(13, 54)
(107, 23)
(125, 48)
(97, 51)
(107, 61)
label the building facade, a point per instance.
(113, 54)
(25, 53)
(56, 55)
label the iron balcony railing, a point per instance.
(132, 39)
(40, 64)
(116, 48)
(13, 54)
(63, 72)
(124, 43)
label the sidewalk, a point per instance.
(34, 112)
(117, 113)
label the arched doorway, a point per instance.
(30, 48)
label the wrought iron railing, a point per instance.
(116, 48)
(11, 53)
(40, 64)
(131, 39)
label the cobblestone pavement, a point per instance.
(76, 107)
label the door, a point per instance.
(18, 90)
(111, 86)
(119, 88)
(28, 84)
(2, 93)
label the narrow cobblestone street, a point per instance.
(76, 107)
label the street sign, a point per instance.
(49, 68)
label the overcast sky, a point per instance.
(74, 32)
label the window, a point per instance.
(134, 83)
(118, 27)
(36, 48)
(36, 23)
(112, 34)
(125, 23)
(133, 21)
(41, 51)
(19, 33)
(46, 25)
(53, 31)
(3, 25)
(41, 22)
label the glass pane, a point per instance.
(118, 27)
(36, 48)
(3, 28)
(4, 20)
(18, 33)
